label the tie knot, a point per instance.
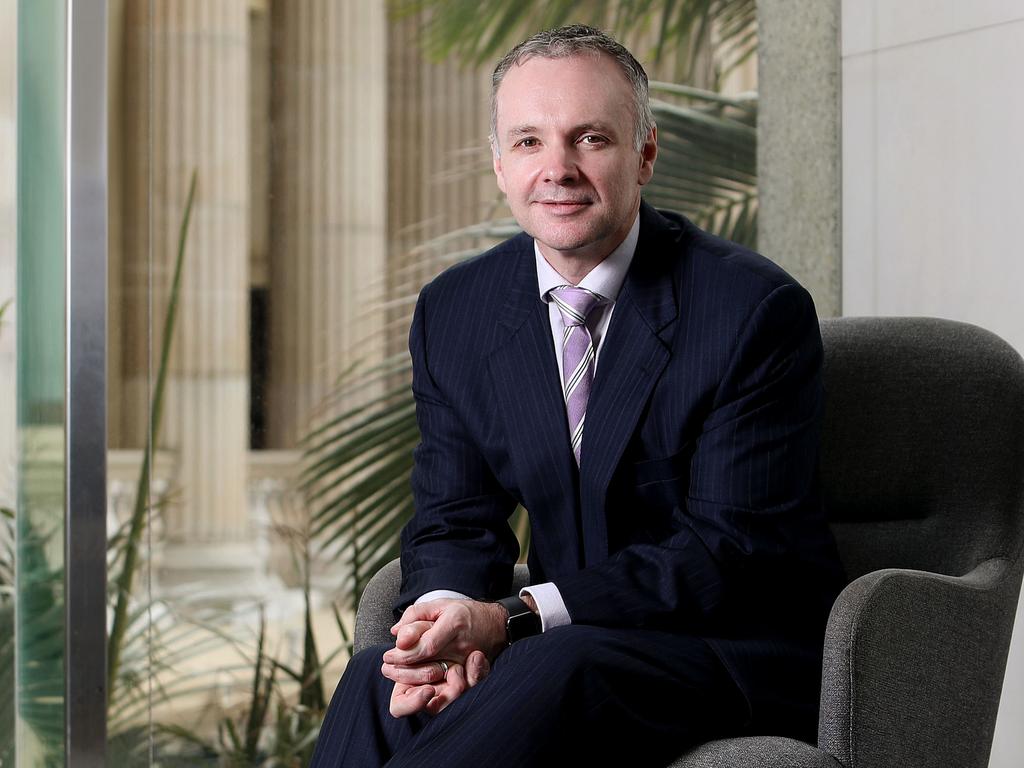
(574, 303)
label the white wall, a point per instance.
(933, 188)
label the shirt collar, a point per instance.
(605, 279)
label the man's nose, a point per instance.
(560, 165)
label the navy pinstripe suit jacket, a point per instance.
(695, 507)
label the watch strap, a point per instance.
(521, 621)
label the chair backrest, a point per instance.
(923, 444)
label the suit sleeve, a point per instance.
(746, 538)
(459, 537)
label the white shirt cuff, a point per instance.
(438, 594)
(550, 605)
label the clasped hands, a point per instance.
(464, 634)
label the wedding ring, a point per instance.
(444, 669)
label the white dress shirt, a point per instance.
(606, 280)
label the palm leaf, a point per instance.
(707, 160)
(133, 540)
(725, 31)
(40, 701)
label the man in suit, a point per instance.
(652, 396)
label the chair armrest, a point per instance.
(755, 752)
(913, 667)
(375, 615)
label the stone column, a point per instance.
(199, 123)
(439, 176)
(328, 218)
(128, 260)
(798, 151)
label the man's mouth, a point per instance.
(564, 206)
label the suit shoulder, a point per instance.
(715, 263)
(726, 282)
(460, 308)
(732, 261)
(479, 277)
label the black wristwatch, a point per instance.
(521, 622)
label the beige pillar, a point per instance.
(328, 216)
(439, 177)
(199, 122)
(128, 231)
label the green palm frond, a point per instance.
(6, 552)
(40, 695)
(7, 683)
(707, 159)
(132, 542)
(476, 33)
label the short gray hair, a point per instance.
(566, 42)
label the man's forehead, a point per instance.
(588, 62)
(543, 81)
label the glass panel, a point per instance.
(40, 381)
(8, 410)
(338, 165)
(131, 654)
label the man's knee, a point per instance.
(612, 657)
(369, 658)
(561, 653)
(363, 669)
(576, 641)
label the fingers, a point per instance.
(408, 700)
(424, 688)
(427, 611)
(428, 645)
(454, 686)
(407, 635)
(420, 674)
(477, 668)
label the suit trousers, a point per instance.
(574, 695)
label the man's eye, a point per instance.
(527, 143)
(592, 138)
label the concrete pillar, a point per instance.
(799, 159)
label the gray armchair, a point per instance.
(923, 477)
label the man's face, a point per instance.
(568, 163)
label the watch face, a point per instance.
(522, 622)
(523, 625)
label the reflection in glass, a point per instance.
(8, 430)
(39, 608)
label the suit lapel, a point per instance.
(528, 394)
(632, 359)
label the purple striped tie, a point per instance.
(577, 355)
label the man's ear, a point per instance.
(496, 164)
(648, 154)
